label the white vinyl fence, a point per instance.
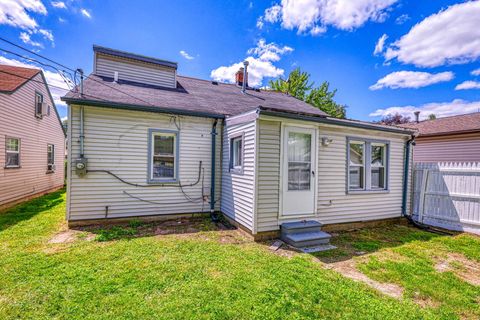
(447, 195)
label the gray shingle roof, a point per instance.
(193, 95)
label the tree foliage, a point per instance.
(397, 118)
(432, 116)
(299, 86)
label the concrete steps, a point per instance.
(306, 235)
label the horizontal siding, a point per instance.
(456, 148)
(118, 141)
(268, 175)
(17, 112)
(135, 71)
(331, 178)
(238, 189)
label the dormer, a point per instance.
(128, 67)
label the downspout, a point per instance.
(405, 174)
(212, 178)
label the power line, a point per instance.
(49, 85)
(37, 54)
(63, 66)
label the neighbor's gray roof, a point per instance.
(192, 95)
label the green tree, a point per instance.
(299, 86)
(432, 116)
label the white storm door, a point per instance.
(299, 159)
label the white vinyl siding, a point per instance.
(19, 121)
(117, 140)
(135, 71)
(238, 188)
(334, 205)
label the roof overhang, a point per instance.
(135, 107)
(334, 121)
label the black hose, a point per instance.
(178, 185)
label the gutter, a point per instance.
(212, 177)
(125, 106)
(333, 121)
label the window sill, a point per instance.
(367, 191)
(160, 182)
(238, 171)
(50, 171)
(12, 167)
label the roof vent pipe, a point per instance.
(417, 116)
(115, 76)
(245, 76)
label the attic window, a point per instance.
(38, 104)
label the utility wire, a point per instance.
(64, 66)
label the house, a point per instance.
(147, 142)
(448, 139)
(31, 136)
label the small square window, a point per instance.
(236, 154)
(12, 152)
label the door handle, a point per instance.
(313, 173)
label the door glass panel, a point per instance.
(299, 161)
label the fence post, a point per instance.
(421, 197)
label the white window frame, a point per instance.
(151, 149)
(358, 166)
(367, 165)
(234, 140)
(383, 165)
(38, 94)
(13, 152)
(51, 165)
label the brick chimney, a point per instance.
(239, 77)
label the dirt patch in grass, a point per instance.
(348, 269)
(70, 235)
(424, 301)
(464, 268)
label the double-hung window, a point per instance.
(12, 152)
(38, 104)
(163, 156)
(367, 165)
(50, 157)
(236, 154)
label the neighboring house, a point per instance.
(449, 139)
(152, 142)
(31, 136)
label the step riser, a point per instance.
(301, 230)
(308, 243)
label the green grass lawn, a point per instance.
(127, 273)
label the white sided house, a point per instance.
(146, 142)
(32, 140)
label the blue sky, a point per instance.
(427, 62)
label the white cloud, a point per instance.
(466, 85)
(440, 109)
(411, 79)
(402, 19)
(451, 36)
(380, 44)
(311, 15)
(261, 65)
(260, 23)
(25, 37)
(59, 4)
(47, 34)
(185, 54)
(475, 72)
(16, 13)
(318, 30)
(64, 118)
(268, 51)
(86, 13)
(53, 79)
(60, 19)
